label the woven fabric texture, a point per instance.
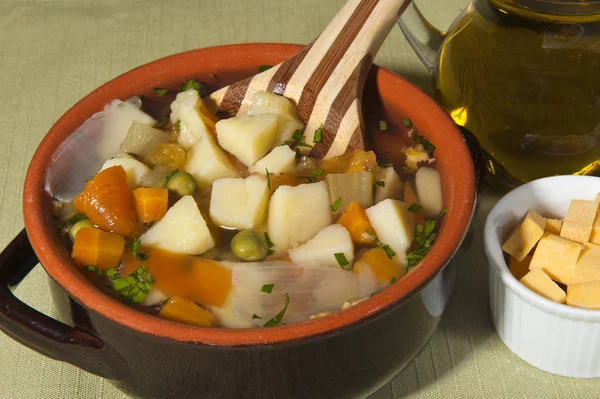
(53, 52)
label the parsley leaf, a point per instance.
(262, 68)
(383, 125)
(268, 240)
(160, 92)
(415, 208)
(297, 136)
(301, 144)
(393, 280)
(384, 163)
(268, 178)
(318, 135)
(407, 123)
(75, 218)
(171, 174)
(192, 84)
(388, 250)
(429, 147)
(133, 288)
(134, 245)
(335, 206)
(424, 237)
(341, 259)
(279, 316)
(268, 288)
(380, 183)
(163, 122)
(317, 172)
(255, 316)
(311, 179)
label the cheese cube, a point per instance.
(553, 226)
(248, 137)
(579, 221)
(595, 235)
(598, 197)
(239, 203)
(557, 256)
(587, 268)
(321, 249)
(585, 295)
(297, 213)
(265, 102)
(207, 162)
(185, 110)
(524, 237)
(394, 225)
(281, 160)
(134, 169)
(393, 187)
(539, 282)
(519, 269)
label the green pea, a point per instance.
(182, 183)
(78, 226)
(248, 245)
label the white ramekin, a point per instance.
(551, 336)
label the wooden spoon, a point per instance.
(325, 79)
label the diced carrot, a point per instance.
(166, 154)
(151, 203)
(201, 280)
(108, 201)
(97, 248)
(384, 268)
(361, 160)
(354, 219)
(185, 311)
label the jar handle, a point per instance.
(424, 38)
(34, 329)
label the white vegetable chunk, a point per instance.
(394, 225)
(207, 162)
(320, 250)
(353, 186)
(429, 190)
(154, 297)
(264, 102)
(296, 214)
(186, 110)
(281, 160)
(134, 169)
(141, 138)
(181, 230)
(239, 203)
(393, 186)
(248, 137)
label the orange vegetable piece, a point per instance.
(384, 268)
(361, 160)
(98, 248)
(198, 279)
(167, 154)
(187, 312)
(354, 219)
(151, 203)
(108, 202)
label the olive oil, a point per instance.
(527, 84)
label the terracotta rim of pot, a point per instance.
(458, 179)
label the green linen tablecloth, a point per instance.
(53, 52)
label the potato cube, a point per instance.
(585, 295)
(393, 186)
(265, 102)
(207, 162)
(579, 221)
(239, 203)
(297, 213)
(281, 160)
(519, 269)
(394, 225)
(248, 137)
(524, 237)
(321, 249)
(134, 169)
(539, 282)
(185, 110)
(429, 190)
(557, 256)
(553, 226)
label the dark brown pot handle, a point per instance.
(32, 328)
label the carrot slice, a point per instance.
(97, 248)
(151, 203)
(354, 219)
(108, 202)
(384, 268)
(185, 311)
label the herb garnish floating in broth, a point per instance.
(228, 223)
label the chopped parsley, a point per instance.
(388, 250)
(297, 136)
(384, 163)
(171, 174)
(380, 183)
(255, 316)
(415, 208)
(262, 68)
(268, 178)
(163, 122)
(311, 179)
(335, 206)
(192, 84)
(424, 237)
(133, 288)
(160, 92)
(393, 280)
(287, 142)
(75, 218)
(270, 245)
(383, 125)
(279, 316)
(318, 135)
(177, 127)
(301, 144)
(134, 245)
(407, 123)
(429, 147)
(317, 172)
(341, 259)
(268, 288)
